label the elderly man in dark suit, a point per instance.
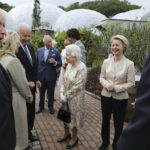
(136, 136)
(48, 61)
(27, 57)
(7, 125)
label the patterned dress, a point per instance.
(74, 89)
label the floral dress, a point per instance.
(74, 89)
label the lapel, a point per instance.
(31, 53)
(42, 55)
(51, 54)
(24, 56)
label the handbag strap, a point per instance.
(65, 105)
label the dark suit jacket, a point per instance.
(137, 134)
(7, 125)
(31, 70)
(46, 70)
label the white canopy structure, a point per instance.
(135, 14)
(23, 13)
(77, 18)
(146, 17)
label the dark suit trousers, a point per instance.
(50, 86)
(118, 108)
(31, 113)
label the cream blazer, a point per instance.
(21, 94)
(121, 74)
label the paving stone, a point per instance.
(48, 128)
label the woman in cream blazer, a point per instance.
(20, 87)
(117, 76)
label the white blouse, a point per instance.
(62, 71)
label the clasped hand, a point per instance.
(65, 65)
(31, 84)
(111, 88)
(62, 97)
(39, 84)
(52, 60)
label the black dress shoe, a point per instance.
(73, 145)
(39, 111)
(103, 147)
(52, 111)
(32, 138)
(64, 139)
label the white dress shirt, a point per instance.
(26, 50)
(46, 51)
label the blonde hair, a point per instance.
(67, 42)
(123, 39)
(9, 43)
(2, 16)
(54, 43)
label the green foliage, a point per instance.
(36, 40)
(139, 40)
(36, 22)
(60, 38)
(97, 45)
(95, 53)
(106, 7)
(75, 5)
(45, 24)
(5, 6)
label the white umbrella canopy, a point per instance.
(23, 13)
(146, 17)
(135, 14)
(78, 18)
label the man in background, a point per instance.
(73, 36)
(48, 61)
(26, 55)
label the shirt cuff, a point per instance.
(55, 64)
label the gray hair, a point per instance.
(46, 36)
(2, 16)
(74, 50)
(22, 26)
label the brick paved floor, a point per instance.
(49, 128)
